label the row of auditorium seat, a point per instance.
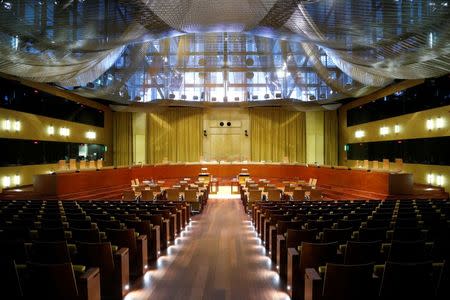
(82, 250)
(358, 249)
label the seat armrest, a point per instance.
(142, 252)
(313, 285)
(122, 265)
(89, 284)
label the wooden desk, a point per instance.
(377, 182)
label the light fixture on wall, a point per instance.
(6, 181)
(64, 131)
(440, 122)
(91, 135)
(205, 133)
(16, 179)
(50, 130)
(245, 132)
(384, 130)
(6, 124)
(430, 124)
(440, 180)
(430, 178)
(17, 125)
(397, 128)
(359, 134)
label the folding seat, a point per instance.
(58, 281)
(319, 224)
(355, 224)
(372, 234)
(15, 232)
(91, 235)
(113, 265)
(273, 194)
(15, 250)
(311, 255)
(51, 223)
(172, 220)
(75, 216)
(407, 281)
(407, 234)
(172, 194)
(407, 251)
(153, 237)
(49, 252)
(137, 246)
(406, 222)
(337, 235)
(362, 252)
(294, 239)
(341, 282)
(9, 279)
(52, 234)
(80, 224)
(371, 223)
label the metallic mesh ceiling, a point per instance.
(233, 50)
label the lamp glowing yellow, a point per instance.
(6, 181)
(440, 180)
(397, 128)
(17, 125)
(50, 130)
(384, 130)
(440, 122)
(91, 135)
(430, 124)
(430, 178)
(7, 124)
(17, 179)
(359, 134)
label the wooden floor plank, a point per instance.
(217, 257)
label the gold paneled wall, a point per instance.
(277, 134)
(408, 126)
(123, 138)
(175, 135)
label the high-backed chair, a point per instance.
(153, 237)
(58, 281)
(50, 252)
(341, 282)
(312, 255)
(298, 195)
(362, 252)
(114, 267)
(91, 235)
(147, 195)
(10, 285)
(137, 247)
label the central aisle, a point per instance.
(218, 257)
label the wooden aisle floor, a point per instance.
(217, 257)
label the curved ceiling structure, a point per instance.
(239, 50)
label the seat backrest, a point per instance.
(128, 195)
(51, 281)
(173, 194)
(50, 252)
(91, 235)
(314, 255)
(372, 234)
(52, 234)
(407, 281)
(273, 195)
(407, 251)
(14, 250)
(97, 255)
(283, 226)
(124, 238)
(407, 234)
(295, 237)
(337, 235)
(298, 195)
(146, 195)
(348, 282)
(362, 252)
(190, 195)
(9, 279)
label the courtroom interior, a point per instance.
(206, 149)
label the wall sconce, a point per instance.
(64, 131)
(245, 132)
(91, 135)
(16, 179)
(50, 130)
(430, 178)
(384, 130)
(440, 180)
(17, 125)
(6, 181)
(205, 133)
(430, 124)
(359, 134)
(440, 123)
(397, 128)
(6, 124)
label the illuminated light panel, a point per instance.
(440, 180)
(397, 128)
(359, 134)
(384, 130)
(6, 181)
(6, 125)
(430, 124)
(17, 125)
(50, 130)
(91, 135)
(440, 123)
(64, 131)
(430, 178)
(17, 179)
